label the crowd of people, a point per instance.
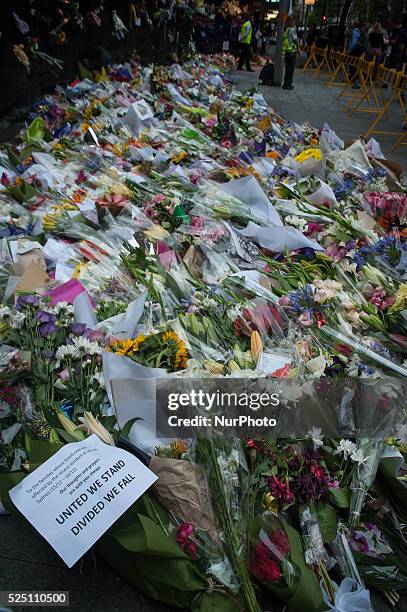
(373, 40)
(290, 47)
(379, 44)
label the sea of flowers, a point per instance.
(158, 222)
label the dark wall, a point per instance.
(18, 88)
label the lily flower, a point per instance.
(92, 425)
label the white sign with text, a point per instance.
(75, 496)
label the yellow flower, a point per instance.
(126, 347)
(256, 345)
(401, 298)
(249, 103)
(181, 358)
(181, 354)
(270, 503)
(178, 448)
(177, 158)
(137, 341)
(307, 153)
(79, 268)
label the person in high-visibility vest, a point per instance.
(290, 47)
(245, 39)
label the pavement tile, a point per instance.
(312, 101)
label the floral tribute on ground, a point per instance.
(157, 222)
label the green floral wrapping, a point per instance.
(305, 594)
(140, 550)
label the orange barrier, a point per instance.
(396, 83)
(317, 56)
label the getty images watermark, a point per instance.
(204, 402)
(185, 407)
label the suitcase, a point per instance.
(267, 74)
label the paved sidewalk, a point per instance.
(27, 562)
(313, 102)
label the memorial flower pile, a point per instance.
(160, 226)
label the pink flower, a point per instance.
(81, 178)
(336, 252)
(210, 122)
(284, 301)
(227, 144)
(313, 228)
(185, 531)
(158, 198)
(5, 180)
(305, 319)
(380, 300)
(197, 222)
(191, 549)
(64, 375)
(252, 444)
(192, 309)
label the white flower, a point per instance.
(4, 312)
(91, 425)
(99, 378)
(345, 300)
(17, 320)
(357, 457)
(345, 447)
(86, 347)
(66, 351)
(316, 437)
(347, 266)
(325, 289)
(297, 222)
(235, 311)
(64, 308)
(316, 366)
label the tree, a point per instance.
(340, 34)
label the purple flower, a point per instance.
(358, 542)
(44, 317)
(47, 329)
(78, 328)
(95, 335)
(27, 301)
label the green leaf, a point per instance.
(41, 451)
(36, 130)
(327, 521)
(340, 496)
(127, 427)
(7, 482)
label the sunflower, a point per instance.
(122, 347)
(181, 353)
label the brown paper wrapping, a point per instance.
(182, 488)
(32, 279)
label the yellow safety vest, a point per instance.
(246, 33)
(287, 46)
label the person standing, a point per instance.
(290, 47)
(245, 39)
(398, 44)
(356, 46)
(375, 49)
